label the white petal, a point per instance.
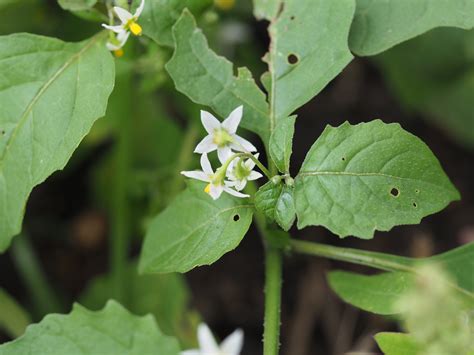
(206, 165)
(191, 352)
(254, 175)
(215, 192)
(232, 345)
(116, 29)
(205, 146)
(112, 47)
(123, 14)
(242, 145)
(123, 37)
(240, 184)
(207, 343)
(234, 193)
(209, 122)
(232, 122)
(224, 153)
(140, 9)
(198, 175)
(250, 164)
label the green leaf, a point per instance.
(165, 296)
(308, 49)
(111, 331)
(194, 230)
(77, 5)
(380, 293)
(266, 9)
(367, 177)
(379, 25)
(13, 318)
(397, 344)
(51, 92)
(208, 79)
(281, 143)
(276, 202)
(159, 16)
(429, 79)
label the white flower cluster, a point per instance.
(232, 345)
(121, 33)
(233, 175)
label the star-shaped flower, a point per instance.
(240, 172)
(116, 43)
(232, 345)
(216, 180)
(129, 21)
(222, 136)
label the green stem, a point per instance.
(43, 297)
(13, 318)
(353, 256)
(273, 281)
(262, 167)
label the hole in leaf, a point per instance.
(343, 158)
(293, 59)
(415, 204)
(236, 218)
(395, 192)
(417, 191)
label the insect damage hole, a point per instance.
(415, 205)
(236, 218)
(293, 59)
(395, 192)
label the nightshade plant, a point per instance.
(355, 179)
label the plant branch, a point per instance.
(273, 281)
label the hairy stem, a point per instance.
(273, 281)
(353, 256)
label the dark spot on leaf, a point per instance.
(236, 218)
(343, 158)
(3, 132)
(292, 18)
(415, 205)
(417, 191)
(395, 192)
(293, 59)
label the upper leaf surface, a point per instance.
(208, 79)
(367, 177)
(379, 293)
(309, 47)
(379, 25)
(82, 332)
(194, 230)
(159, 16)
(77, 5)
(397, 344)
(266, 9)
(281, 143)
(51, 92)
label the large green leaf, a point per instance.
(159, 16)
(111, 331)
(367, 177)
(77, 5)
(379, 25)
(397, 344)
(380, 293)
(51, 92)
(434, 75)
(194, 230)
(308, 49)
(208, 79)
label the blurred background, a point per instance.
(127, 170)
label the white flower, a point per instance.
(222, 136)
(129, 21)
(116, 43)
(216, 180)
(232, 345)
(240, 172)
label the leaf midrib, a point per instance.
(43, 89)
